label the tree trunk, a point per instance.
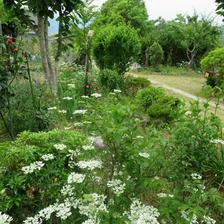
(43, 50)
(42, 33)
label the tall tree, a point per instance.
(43, 10)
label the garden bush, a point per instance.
(146, 97)
(156, 54)
(165, 108)
(116, 47)
(110, 79)
(134, 84)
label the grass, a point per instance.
(180, 78)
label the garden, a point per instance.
(83, 141)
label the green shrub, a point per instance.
(23, 195)
(134, 84)
(26, 114)
(146, 97)
(115, 47)
(156, 54)
(213, 63)
(165, 108)
(110, 79)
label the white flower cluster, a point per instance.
(117, 186)
(85, 97)
(144, 155)
(32, 167)
(217, 141)
(196, 176)
(71, 86)
(88, 147)
(52, 108)
(92, 205)
(62, 211)
(142, 214)
(90, 164)
(193, 220)
(79, 112)
(68, 98)
(5, 219)
(208, 220)
(47, 157)
(96, 95)
(60, 147)
(164, 195)
(76, 178)
(68, 190)
(62, 111)
(91, 221)
(117, 91)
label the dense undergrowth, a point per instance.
(115, 158)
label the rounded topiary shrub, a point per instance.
(146, 97)
(165, 108)
(115, 47)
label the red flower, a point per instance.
(9, 40)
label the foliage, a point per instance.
(116, 47)
(156, 54)
(134, 84)
(110, 79)
(146, 97)
(128, 12)
(212, 63)
(165, 108)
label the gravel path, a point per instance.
(181, 92)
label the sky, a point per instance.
(168, 9)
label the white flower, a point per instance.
(142, 214)
(90, 164)
(33, 220)
(68, 190)
(217, 141)
(47, 157)
(208, 220)
(117, 91)
(92, 204)
(52, 108)
(68, 128)
(91, 221)
(196, 176)
(117, 186)
(87, 122)
(60, 147)
(164, 195)
(88, 147)
(68, 98)
(85, 97)
(144, 155)
(71, 86)
(96, 95)
(62, 111)
(139, 137)
(5, 219)
(64, 210)
(32, 167)
(79, 112)
(78, 124)
(193, 220)
(76, 178)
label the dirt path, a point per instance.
(180, 92)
